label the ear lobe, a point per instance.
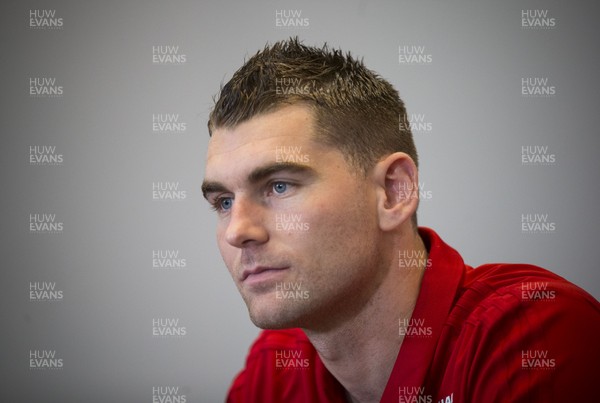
(398, 191)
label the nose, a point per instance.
(245, 226)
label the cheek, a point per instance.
(341, 227)
(347, 207)
(339, 252)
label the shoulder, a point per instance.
(521, 332)
(525, 303)
(495, 290)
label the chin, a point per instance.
(275, 317)
(266, 325)
(270, 323)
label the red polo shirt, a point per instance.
(497, 333)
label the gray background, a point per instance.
(470, 93)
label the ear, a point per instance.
(397, 181)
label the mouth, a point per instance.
(260, 274)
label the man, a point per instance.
(313, 174)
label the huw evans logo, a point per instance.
(168, 327)
(168, 55)
(294, 86)
(537, 291)
(290, 359)
(414, 327)
(413, 259)
(45, 224)
(168, 191)
(44, 359)
(168, 259)
(537, 155)
(44, 291)
(537, 19)
(168, 394)
(290, 154)
(416, 123)
(413, 54)
(537, 87)
(407, 191)
(290, 290)
(45, 19)
(291, 222)
(537, 224)
(45, 87)
(44, 155)
(290, 19)
(413, 394)
(168, 123)
(537, 359)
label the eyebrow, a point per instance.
(259, 174)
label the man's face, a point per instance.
(297, 226)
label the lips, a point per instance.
(260, 271)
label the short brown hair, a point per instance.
(355, 109)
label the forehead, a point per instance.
(260, 139)
(289, 124)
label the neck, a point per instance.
(361, 351)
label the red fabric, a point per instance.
(498, 333)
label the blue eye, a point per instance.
(222, 204)
(279, 187)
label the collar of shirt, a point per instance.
(438, 289)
